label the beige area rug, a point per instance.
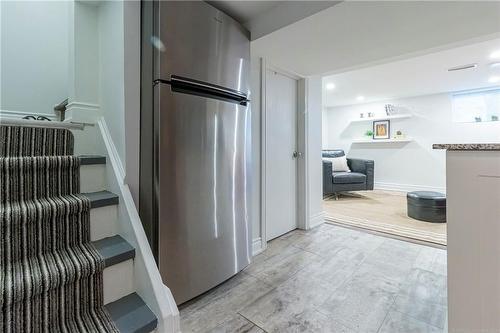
(382, 211)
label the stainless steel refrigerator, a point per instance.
(195, 146)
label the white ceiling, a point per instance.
(244, 11)
(416, 76)
(263, 17)
(355, 33)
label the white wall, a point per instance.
(406, 166)
(34, 55)
(255, 105)
(111, 72)
(132, 81)
(313, 155)
(119, 81)
(83, 88)
(105, 77)
(98, 71)
(84, 59)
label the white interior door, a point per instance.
(281, 144)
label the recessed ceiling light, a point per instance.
(360, 98)
(495, 54)
(494, 79)
(330, 86)
(461, 67)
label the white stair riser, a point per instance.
(92, 178)
(103, 222)
(118, 281)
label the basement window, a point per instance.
(476, 105)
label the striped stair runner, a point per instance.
(50, 273)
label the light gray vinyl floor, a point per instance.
(329, 279)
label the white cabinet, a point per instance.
(473, 208)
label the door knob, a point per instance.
(296, 154)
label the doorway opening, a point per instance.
(379, 126)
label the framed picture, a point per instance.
(381, 129)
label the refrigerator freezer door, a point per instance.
(203, 177)
(201, 43)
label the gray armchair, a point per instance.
(359, 179)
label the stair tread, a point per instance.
(101, 199)
(114, 250)
(92, 159)
(132, 315)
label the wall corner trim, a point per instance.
(257, 246)
(316, 219)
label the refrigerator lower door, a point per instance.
(202, 191)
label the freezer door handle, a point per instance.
(195, 87)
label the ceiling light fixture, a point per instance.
(360, 98)
(495, 65)
(494, 79)
(462, 67)
(330, 86)
(495, 54)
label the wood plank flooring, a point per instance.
(382, 211)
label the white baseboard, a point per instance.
(257, 246)
(316, 220)
(406, 187)
(11, 114)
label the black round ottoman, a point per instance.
(427, 206)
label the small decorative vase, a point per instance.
(389, 109)
(399, 135)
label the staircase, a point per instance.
(63, 266)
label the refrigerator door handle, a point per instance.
(190, 86)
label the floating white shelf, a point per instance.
(396, 116)
(405, 140)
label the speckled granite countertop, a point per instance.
(467, 146)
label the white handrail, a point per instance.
(41, 123)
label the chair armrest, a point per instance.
(327, 177)
(366, 167)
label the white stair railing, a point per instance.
(7, 121)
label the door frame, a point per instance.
(302, 196)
